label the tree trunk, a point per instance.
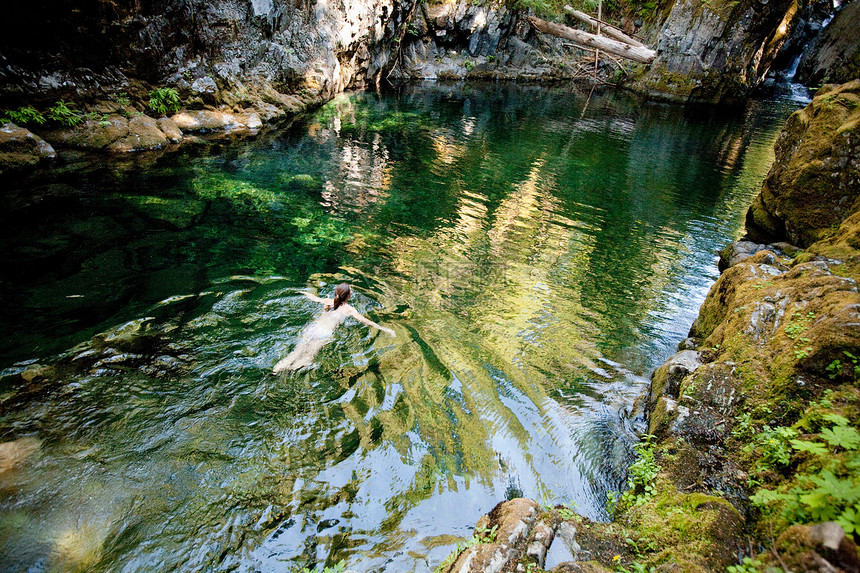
(620, 49)
(604, 28)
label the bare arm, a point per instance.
(364, 320)
(315, 298)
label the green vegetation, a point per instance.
(825, 487)
(643, 472)
(481, 535)
(164, 100)
(26, 115)
(341, 566)
(121, 98)
(748, 565)
(65, 115)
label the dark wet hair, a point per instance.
(342, 293)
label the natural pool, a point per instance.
(536, 258)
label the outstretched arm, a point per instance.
(363, 319)
(315, 298)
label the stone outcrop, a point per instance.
(814, 183)
(835, 57)
(715, 52)
(205, 49)
(20, 149)
(117, 133)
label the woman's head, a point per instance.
(342, 293)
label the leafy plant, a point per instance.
(65, 115)
(749, 565)
(567, 511)
(642, 474)
(823, 495)
(837, 367)
(164, 100)
(486, 534)
(23, 116)
(774, 445)
(122, 99)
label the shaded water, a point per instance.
(535, 262)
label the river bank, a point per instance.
(752, 444)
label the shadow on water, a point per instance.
(535, 262)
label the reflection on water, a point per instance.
(535, 263)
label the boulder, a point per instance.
(814, 183)
(211, 120)
(823, 548)
(666, 380)
(20, 149)
(170, 130)
(143, 134)
(114, 132)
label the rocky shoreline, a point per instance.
(741, 421)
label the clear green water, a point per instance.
(536, 263)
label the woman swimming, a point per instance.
(321, 330)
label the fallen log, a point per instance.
(605, 28)
(620, 49)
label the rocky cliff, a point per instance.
(815, 182)
(835, 56)
(716, 52)
(206, 49)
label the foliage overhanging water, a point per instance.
(536, 263)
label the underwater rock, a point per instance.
(20, 149)
(16, 452)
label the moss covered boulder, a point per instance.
(815, 182)
(115, 132)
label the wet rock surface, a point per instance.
(836, 54)
(20, 149)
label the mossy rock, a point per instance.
(814, 183)
(303, 182)
(692, 531)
